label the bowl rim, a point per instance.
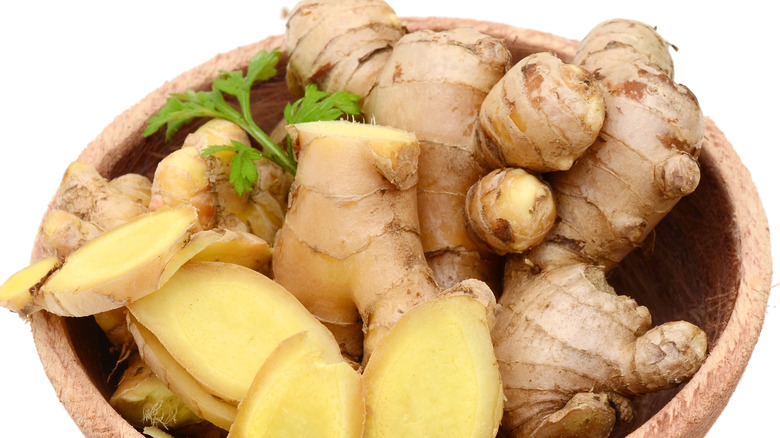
(691, 412)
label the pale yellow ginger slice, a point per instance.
(16, 294)
(179, 381)
(240, 248)
(220, 321)
(302, 391)
(156, 432)
(114, 324)
(435, 374)
(121, 265)
(143, 399)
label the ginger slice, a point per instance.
(221, 321)
(302, 390)
(435, 374)
(119, 266)
(179, 381)
(240, 248)
(16, 294)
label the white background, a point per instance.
(68, 68)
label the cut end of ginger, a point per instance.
(302, 390)
(120, 265)
(16, 294)
(435, 374)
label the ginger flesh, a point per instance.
(194, 395)
(120, 265)
(435, 374)
(220, 321)
(17, 293)
(302, 390)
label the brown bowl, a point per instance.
(718, 274)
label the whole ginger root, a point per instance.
(570, 349)
(447, 88)
(186, 177)
(350, 251)
(350, 248)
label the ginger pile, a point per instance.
(440, 270)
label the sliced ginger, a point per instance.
(119, 266)
(16, 294)
(435, 374)
(240, 248)
(179, 381)
(220, 321)
(302, 391)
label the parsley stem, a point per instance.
(284, 160)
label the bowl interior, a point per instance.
(690, 269)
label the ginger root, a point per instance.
(439, 100)
(144, 400)
(92, 198)
(350, 248)
(339, 54)
(186, 177)
(447, 88)
(510, 210)
(260, 212)
(570, 350)
(541, 116)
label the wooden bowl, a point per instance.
(710, 264)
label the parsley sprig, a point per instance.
(315, 105)
(181, 108)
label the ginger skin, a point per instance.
(435, 84)
(259, 212)
(84, 193)
(323, 50)
(541, 116)
(461, 66)
(186, 177)
(510, 210)
(344, 221)
(562, 334)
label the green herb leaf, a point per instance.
(243, 173)
(318, 105)
(182, 108)
(315, 105)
